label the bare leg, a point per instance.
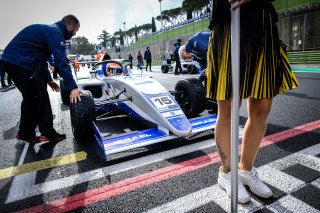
(254, 130)
(223, 134)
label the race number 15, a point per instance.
(163, 102)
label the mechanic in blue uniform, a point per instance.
(25, 60)
(176, 48)
(148, 58)
(196, 48)
(130, 58)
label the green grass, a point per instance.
(172, 34)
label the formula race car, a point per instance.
(113, 88)
(188, 67)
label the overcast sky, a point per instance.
(94, 16)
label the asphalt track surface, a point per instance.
(173, 176)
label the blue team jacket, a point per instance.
(31, 49)
(198, 45)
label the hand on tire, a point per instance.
(75, 95)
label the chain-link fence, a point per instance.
(300, 29)
(289, 5)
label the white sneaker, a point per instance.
(224, 181)
(251, 179)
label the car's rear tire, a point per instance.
(192, 69)
(164, 68)
(65, 94)
(190, 95)
(82, 115)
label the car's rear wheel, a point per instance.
(82, 115)
(65, 94)
(190, 95)
(164, 68)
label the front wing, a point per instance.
(112, 145)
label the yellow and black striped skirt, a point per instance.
(264, 66)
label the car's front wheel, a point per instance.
(82, 115)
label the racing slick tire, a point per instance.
(65, 94)
(192, 69)
(164, 68)
(82, 115)
(190, 95)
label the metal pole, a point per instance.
(162, 33)
(235, 65)
(125, 34)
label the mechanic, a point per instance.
(176, 48)
(76, 65)
(25, 59)
(140, 60)
(106, 56)
(168, 56)
(148, 58)
(130, 58)
(196, 48)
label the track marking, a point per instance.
(279, 179)
(291, 204)
(23, 154)
(306, 69)
(41, 165)
(26, 183)
(107, 191)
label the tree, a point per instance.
(190, 6)
(104, 37)
(153, 25)
(81, 46)
(119, 35)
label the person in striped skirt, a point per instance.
(264, 73)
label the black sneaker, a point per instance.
(35, 139)
(53, 137)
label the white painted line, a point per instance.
(24, 153)
(202, 197)
(21, 186)
(291, 204)
(305, 157)
(279, 179)
(316, 183)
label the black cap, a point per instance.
(179, 40)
